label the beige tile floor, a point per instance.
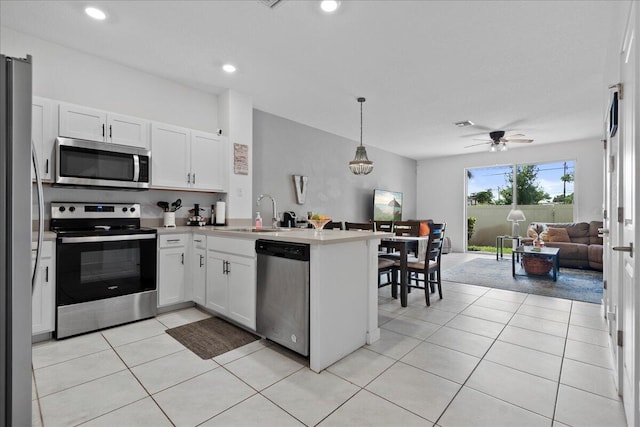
(481, 356)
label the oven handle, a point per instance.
(92, 239)
(136, 168)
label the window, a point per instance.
(545, 193)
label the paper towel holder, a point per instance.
(221, 217)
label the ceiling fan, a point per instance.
(498, 141)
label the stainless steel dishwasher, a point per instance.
(283, 294)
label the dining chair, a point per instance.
(383, 226)
(406, 228)
(333, 225)
(428, 264)
(385, 266)
(361, 226)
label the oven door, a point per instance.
(97, 267)
(88, 163)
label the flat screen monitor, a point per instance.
(387, 205)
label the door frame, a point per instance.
(621, 267)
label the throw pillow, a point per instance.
(424, 228)
(531, 232)
(558, 235)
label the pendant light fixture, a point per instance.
(361, 165)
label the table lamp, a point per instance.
(515, 215)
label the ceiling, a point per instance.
(532, 67)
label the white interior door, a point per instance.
(611, 236)
(629, 318)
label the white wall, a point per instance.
(283, 148)
(236, 120)
(442, 181)
(70, 75)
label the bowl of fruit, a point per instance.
(319, 221)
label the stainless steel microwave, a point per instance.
(99, 164)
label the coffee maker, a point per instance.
(289, 219)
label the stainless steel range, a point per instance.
(105, 266)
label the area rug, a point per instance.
(210, 337)
(574, 284)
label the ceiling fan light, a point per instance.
(493, 148)
(503, 146)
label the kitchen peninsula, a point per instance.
(343, 274)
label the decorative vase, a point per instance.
(318, 224)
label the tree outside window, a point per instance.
(545, 192)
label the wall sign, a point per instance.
(241, 159)
(300, 183)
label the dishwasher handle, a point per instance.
(289, 250)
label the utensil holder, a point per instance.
(169, 219)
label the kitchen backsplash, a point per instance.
(147, 199)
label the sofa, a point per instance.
(583, 248)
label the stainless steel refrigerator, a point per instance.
(15, 241)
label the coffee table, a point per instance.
(552, 254)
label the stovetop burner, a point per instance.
(73, 219)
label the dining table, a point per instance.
(402, 244)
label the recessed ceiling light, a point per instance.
(329, 6)
(95, 13)
(229, 68)
(464, 123)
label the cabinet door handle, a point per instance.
(194, 178)
(46, 166)
(201, 260)
(228, 265)
(189, 178)
(46, 276)
(103, 130)
(110, 133)
(197, 240)
(224, 267)
(182, 256)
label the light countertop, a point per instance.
(296, 235)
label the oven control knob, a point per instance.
(132, 209)
(124, 209)
(72, 208)
(62, 209)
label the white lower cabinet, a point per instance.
(171, 261)
(44, 292)
(231, 279)
(199, 269)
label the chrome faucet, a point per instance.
(275, 218)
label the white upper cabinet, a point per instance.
(81, 122)
(127, 130)
(170, 156)
(187, 159)
(208, 162)
(43, 135)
